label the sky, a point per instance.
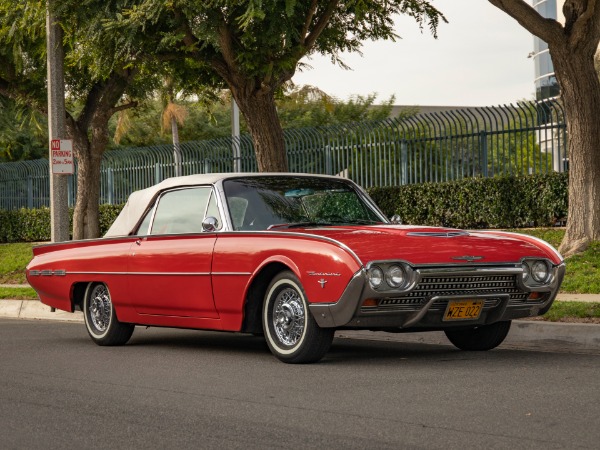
(479, 59)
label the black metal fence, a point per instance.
(449, 145)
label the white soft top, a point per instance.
(139, 201)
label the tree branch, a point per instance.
(321, 24)
(123, 107)
(309, 17)
(548, 30)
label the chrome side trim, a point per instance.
(245, 274)
(143, 273)
(63, 272)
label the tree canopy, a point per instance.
(101, 79)
(255, 46)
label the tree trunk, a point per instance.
(90, 138)
(580, 92)
(86, 215)
(572, 46)
(258, 108)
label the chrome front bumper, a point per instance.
(424, 307)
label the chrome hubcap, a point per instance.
(288, 317)
(100, 308)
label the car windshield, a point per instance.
(261, 203)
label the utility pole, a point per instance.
(59, 209)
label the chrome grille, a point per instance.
(451, 286)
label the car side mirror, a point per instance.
(396, 219)
(210, 224)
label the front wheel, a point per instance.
(290, 330)
(100, 319)
(481, 338)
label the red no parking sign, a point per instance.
(62, 156)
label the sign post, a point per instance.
(59, 209)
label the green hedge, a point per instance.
(33, 225)
(507, 202)
(500, 202)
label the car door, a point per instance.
(170, 266)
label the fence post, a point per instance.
(483, 153)
(404, 162)
(110, 185)
(29, 192)
(328, 161)
(157, 173)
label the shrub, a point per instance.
(499, 202)
(33, 225)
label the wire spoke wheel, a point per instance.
(100, 308)
(291, 332)
(289, 316)
(101, 319)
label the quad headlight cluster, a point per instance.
(391, 276)
(537, 273)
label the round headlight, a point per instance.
(375, 275)
(540, 271)
(525, 271)
(395, 276)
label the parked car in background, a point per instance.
(295, 257)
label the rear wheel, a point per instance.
(100, 318)
(485, 337)
(290, 330)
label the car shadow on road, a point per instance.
(346, 351)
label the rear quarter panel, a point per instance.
(61, 266)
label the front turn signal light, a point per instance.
(370, 302)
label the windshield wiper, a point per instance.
(324, 223)
(297, 225)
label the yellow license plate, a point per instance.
(463, 309)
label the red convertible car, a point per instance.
(295, 257)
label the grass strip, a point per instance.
(13, 260)
(575, 310)
(17, 293)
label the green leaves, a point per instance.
(498, 202)
(33, 225)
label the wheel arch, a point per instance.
(252, 322)
(77, 294)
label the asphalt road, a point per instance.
(189, 389)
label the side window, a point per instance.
(143, 228)
(181, 211)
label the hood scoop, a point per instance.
(442, 234)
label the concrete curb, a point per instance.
(524, 334)
(33, 309)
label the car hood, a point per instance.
(433, 245)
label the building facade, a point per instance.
(546, 85)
